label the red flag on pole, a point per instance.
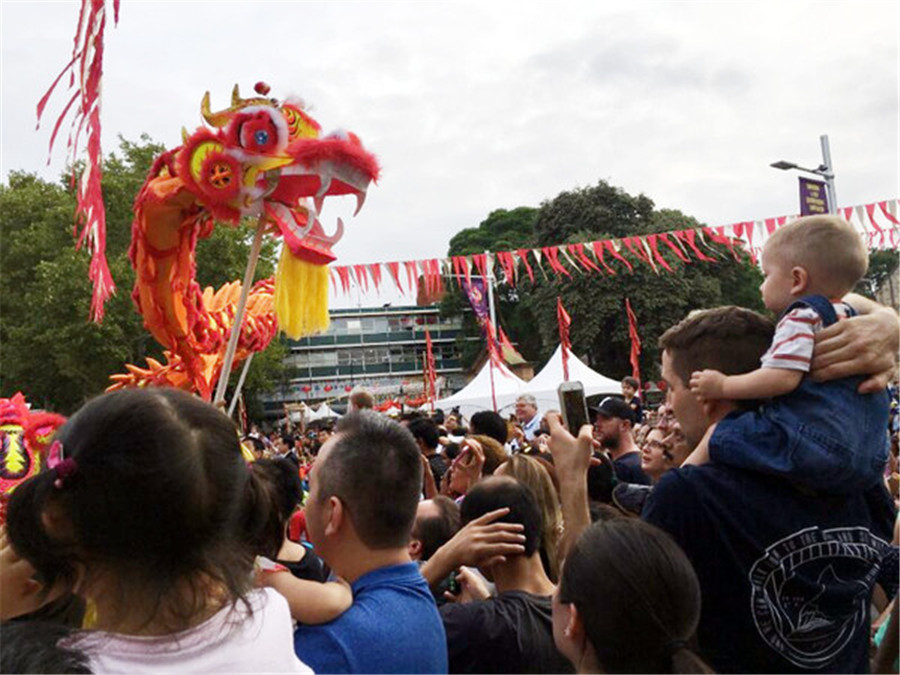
(564, 320)
(635, 341)
(429, 370)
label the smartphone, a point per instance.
(573, 406)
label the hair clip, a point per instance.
(64, 466)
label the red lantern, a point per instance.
(327, 387)
(647, 386)
(662, 385)
(348, 388)
(306, 388)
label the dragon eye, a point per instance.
(261, 137)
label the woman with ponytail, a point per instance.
(628, 602)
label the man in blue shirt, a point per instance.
(364, 489)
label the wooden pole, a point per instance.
(240, 384)
(239, 314)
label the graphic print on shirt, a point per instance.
(810, 591)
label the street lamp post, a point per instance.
(825, 170)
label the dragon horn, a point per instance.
(218, 119)
(236, 95)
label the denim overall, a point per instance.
(822, 435)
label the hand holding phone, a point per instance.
(573, 406)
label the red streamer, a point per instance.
(651, 239)
(565, 322)
(394, 270)
(552, 255)
(598, 251)
(611, 247)
(523, 256)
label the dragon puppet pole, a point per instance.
(240, 384)
(239, 314)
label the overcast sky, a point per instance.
(472, 107)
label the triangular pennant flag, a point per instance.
(523, 256)
(394, 269)
(597, 247)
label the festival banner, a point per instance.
(475, 291)
(813, 197)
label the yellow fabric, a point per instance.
(301, 296)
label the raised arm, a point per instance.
(571, 458)
(480, 542)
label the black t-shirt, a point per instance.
(438, 464)
(310, 567)
(628, 469)
(785, 576)
(511, 633)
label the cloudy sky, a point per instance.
(472, 107)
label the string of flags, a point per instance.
(877, 223)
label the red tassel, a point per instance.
(90, 213)
(523, 256)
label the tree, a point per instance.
(48, 348)
(596, 301)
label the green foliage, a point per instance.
(596, 302)
(502, 230)
(881, 265)
(48, 347)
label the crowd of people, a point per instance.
(721, 531)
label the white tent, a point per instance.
(322, 413)
(476, 395)
(544, 385)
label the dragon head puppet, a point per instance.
(257, 158)
(24, 437)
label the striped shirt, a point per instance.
(792, 346)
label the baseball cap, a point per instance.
(613, 407)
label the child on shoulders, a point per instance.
(825, 436)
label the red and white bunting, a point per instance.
(877, 223)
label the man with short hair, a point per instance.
(437, 520)
(527, 415)
(512, 632)
(786, 575)
(364, 489)
(489, 423)
(613, 420)
(428, 438)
